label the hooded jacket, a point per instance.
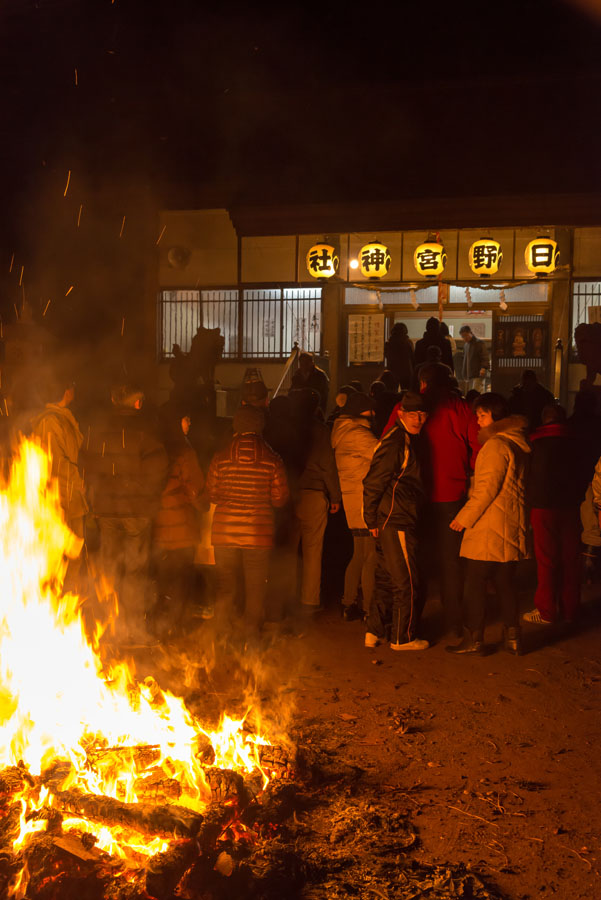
(245, 481)
(495, 515)
(393, 493)
(354, 444)
(57, 428)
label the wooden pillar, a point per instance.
(333, 331)
(560, 330)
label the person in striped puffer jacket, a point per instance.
(246, 480)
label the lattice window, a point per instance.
(273, 319)
(586, 304)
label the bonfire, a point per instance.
(96, 769)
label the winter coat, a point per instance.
(125, 466)
(245, 481)
(495, 514)
(430, 340)
(451, 446)
(399, 359)
(317, 380)
(177, 522)
(57, 428)
(475, 358)
(557, 478)
(596, 486)
(393, 492)
(319, 472)
(354, 444)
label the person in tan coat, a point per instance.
(58, 431)
(354, 443)
(495, 521)
(177, 527)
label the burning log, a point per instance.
(109, 760)
(161, 821)
(225, 785)
(154, 787)
(278, 760)
(165, 870)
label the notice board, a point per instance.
(366, 338)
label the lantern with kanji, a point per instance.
(430, 259)
(485, 257)
(322, 261)
(542, 256)
(374, 260)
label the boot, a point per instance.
(513, 640)
(472, 643)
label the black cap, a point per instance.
(357, 403)
(413, 402)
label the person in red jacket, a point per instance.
(555, 489)
(245, 481)
(451, 435)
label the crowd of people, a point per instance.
(428, 481)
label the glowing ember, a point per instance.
(70, 725)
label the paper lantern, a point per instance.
(485, 257)
(542, 256)
(374, 260)
(430, 259)
(322, 261)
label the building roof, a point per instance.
(416, 214)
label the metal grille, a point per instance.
(272, 320)
(179, 318)
(302, 320)
(586, 300)
(262, 333)
(220, 310)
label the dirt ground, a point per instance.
(497, 757)
(493, 762)
(430, 766)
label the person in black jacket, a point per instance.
(433, 338)
(399, 355)
(393, 496)
(125, 468)
(555, 489)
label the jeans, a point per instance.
(397, 597)
(502, 574)
(255, 568)
(361, 570)
(124, 559)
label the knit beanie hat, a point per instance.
(249, 419)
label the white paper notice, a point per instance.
(366, 338)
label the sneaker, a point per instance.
(372, 640)
(416, 644)
(352, 613)
(535, 617)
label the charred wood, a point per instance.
(166, 821)
(165, 870)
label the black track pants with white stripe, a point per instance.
(397, 594)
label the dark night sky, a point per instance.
(191, 103)
(296, 100)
